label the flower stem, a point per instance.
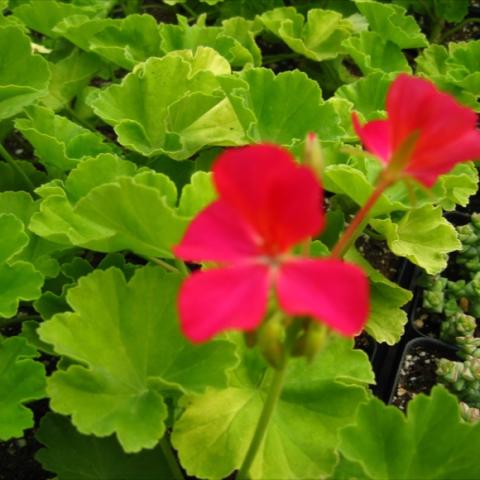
(9, 159)
(268, 408)
(162, 263)
(358, 223)
(171, 459)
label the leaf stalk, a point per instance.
(358, 223)
(10, 160)
(273, 396)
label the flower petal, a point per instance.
(279, 199)
(375, 137)
(213, 301)
(415, 104)
(217, 234)
(331, 291)
(427, 167)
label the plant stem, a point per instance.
(171, 459)
(163, 264)
(10, 160)
(359, 221)
(182, 268)
(268, 408)
(189, 10)
(436, 33)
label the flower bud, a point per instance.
(312, 155)
(270, 341)
(311, 341)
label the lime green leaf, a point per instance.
(350, 180)
(355, 367)
(234, 40)
(29, 332)
(318, 38)
(456, 187)
(11, 180)
(175, 2)
(392, 23)
(431, 442)
(455, 70)
(124, 42)
(464, 65)
(196, 195)
(131, 352)
(18, 279)
(346, 470)
(43, 16)
(80, 29)
(243, 31)
(281, 108)
(128, 42)
(304, 426)
(367, 95)
(387, 318)
(247, 8)
(422, 235)
(69, 76)
(102, 207)
(95, 171)
(374, 54)
(450, 11)
(190, 114)
(26, 78)
(73, 456)
(36, 251)
(22, 380)
(58, 142)
(13, 238)
(356, 177)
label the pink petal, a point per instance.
(428, 166)
(415, 104)
(375, 136)
(279, 199)
(231, 298)
(331, 291)
(217, 234)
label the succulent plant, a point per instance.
(458, 324)
(469, 414)
(462, 378)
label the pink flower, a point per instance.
(436, 132)
(267, 204)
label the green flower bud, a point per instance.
(270, 341)
(311, 341)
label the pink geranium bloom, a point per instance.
(267, 204)
(441, 132)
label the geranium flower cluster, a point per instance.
(267, 204)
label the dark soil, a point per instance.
(18, 146)
(417, 375)
(376, 252)
(366, 343)
(427, 323)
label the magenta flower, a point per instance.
(443, 132)
(267, 205)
